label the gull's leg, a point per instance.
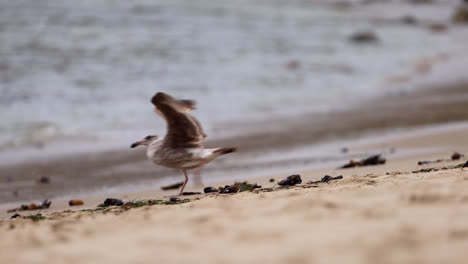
(185, 183)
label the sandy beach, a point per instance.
(392, 213)
(298, 87)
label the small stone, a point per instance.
(456, 156)
(75, 202)
(328, 178)
(364, 37)
(113, 202)
(291, 180)
(272, 180)
(43, 180)
(437, 27)
(409, 20)
(465, 165)
(15, 216)
(175, 199)
(191, 193)
(210, 190)
(32, 206)
(230, 189)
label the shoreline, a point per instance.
(409, 148)
(305, 141)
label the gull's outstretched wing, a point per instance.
(183, 130)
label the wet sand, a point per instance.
(376, 214)
(81, 174)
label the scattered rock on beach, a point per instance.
(43, 180)
(15, 216)
(291, 180)
(113, 202)
(328, 178)
(172, 186)
(191, 193)
(363, 37)
(460, 16)
(230, 189)
(44, 205)
(272, 180)
(437, 27)
(75, 202)
(175, 199)
(423, 162)
(293, 64)
(210, 190)
(409, 20)
(456, 156)
(372, 160)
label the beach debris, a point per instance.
(75, 202)
(172, 186)
(15, 216)
(272, 180)
(456, 156)
(25, 207)
(437, 27)
(191, 193)
(230, 189)
(326, 179)
(175, 199)
(291, 180)
(465, 165)
(371, 160)
(409, 20)
(43, 180)
(423, 162)
(246, 186)
(363, 37)
(113, 202)
(460, 16)
(36, 217)
(293, 64)
(210, 190)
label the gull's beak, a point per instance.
(136, 144)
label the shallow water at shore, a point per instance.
(83, 71)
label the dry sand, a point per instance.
(378, 214)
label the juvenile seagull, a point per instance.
(181, 147)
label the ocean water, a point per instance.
(84, 71)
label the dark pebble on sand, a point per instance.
(272, 180)
(175, 199)
(75, 202)
(328, 178)
(43, 180)
(15, 216)
(191, 193)
(456, 156)
(210, 190)
(113, 202)
(230, 189)
(291, 180)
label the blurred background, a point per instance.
(289, 82)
